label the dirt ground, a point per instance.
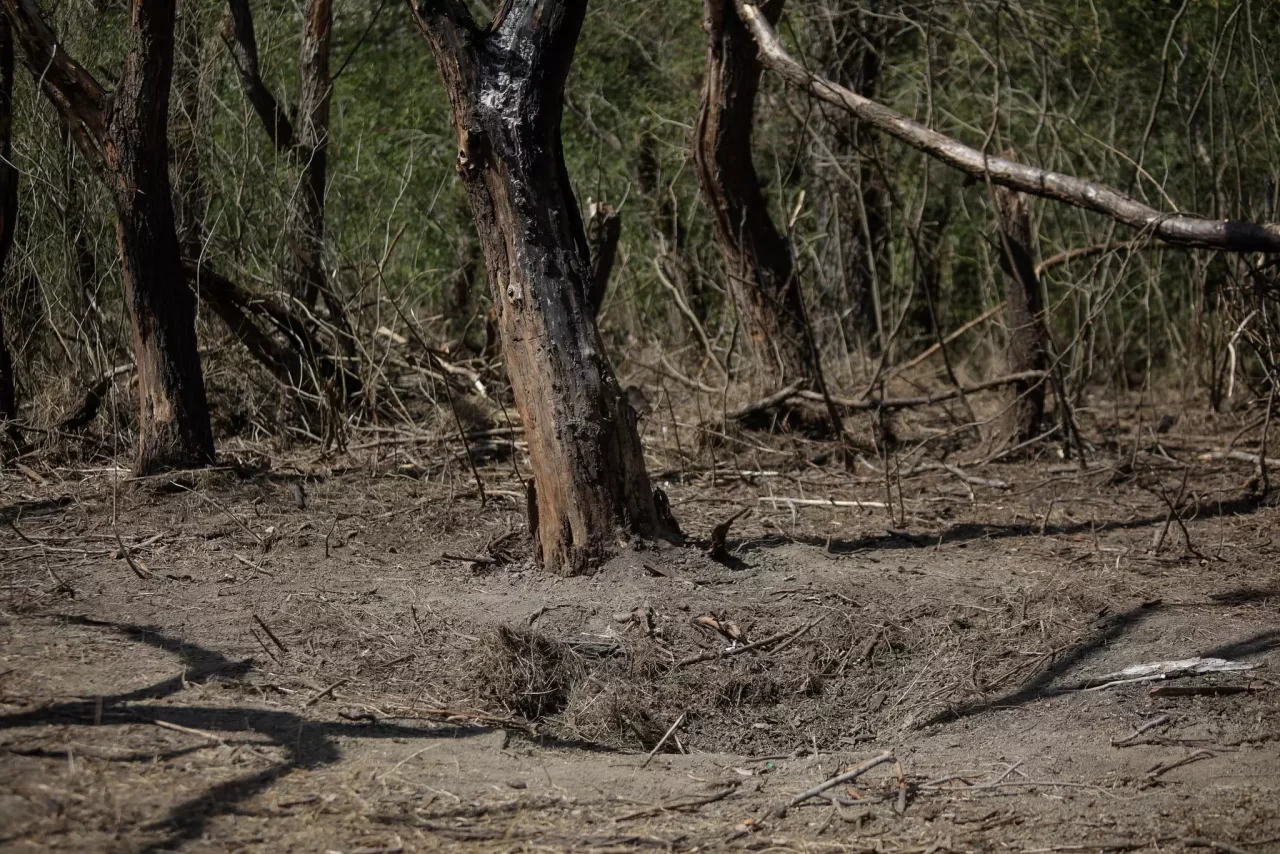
(302, 662)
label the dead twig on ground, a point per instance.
(271, 634)
(851, 774)
(738, 650)
(671, 730)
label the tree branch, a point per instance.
(238, 34)
(72, 89)
(1177, 228)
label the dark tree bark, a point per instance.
(306, 142)
(304, 220)
(190, 195)
(124, 135)
(1027, 349)
(8, 218)
(505, 86)
(765, 291)
(604, 229)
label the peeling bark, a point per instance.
(124, 135)
(765, 290)
(505, 86)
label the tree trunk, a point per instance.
(1025, 313)
(303, 267)
(765, 291)
(505, 87)
(863, 231)
(190, 194)
(604, 228)
(306, 142)
(8, 218)
(124, 135)
(174, 429)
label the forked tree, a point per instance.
(124, 135)
(758, 261)
(303, 139)
(505, 84)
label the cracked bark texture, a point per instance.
(505, 85)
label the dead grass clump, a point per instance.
(611, 711)
(527, 673)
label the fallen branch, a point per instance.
(738, 650)
(1171, 227)
(851, 774)
(875, 403)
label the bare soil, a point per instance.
(308, 666)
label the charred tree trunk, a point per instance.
(124, 135)
(1027, 349)
(8, 220)
(604, 229)
(757, 257)
(505, 86)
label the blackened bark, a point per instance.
(237, 32)
(505, 86)
(1025, 313)
(8, 217)
(125, 137)
(766, 292)
(174, 430)
(604, 229)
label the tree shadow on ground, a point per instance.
(966, 532)
(307, 744)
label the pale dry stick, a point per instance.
(986, 315)
(1178, 228)
(253, 566)
(124, 550)
(1151, 724)
(670, 731)
(1165, 767)
(821, 502)
(219, 505)
(325, 692)
(687, 803)
(690, 316)
(738, 650)
(410, 757)
(851, 774)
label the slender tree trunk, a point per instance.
(190, 195)
(124, 136)
(8, 217)
(766, 293)
(174, 430)
(1025, 312)
(604, 228)
(505, 86)
(306, 142)
(304, 220)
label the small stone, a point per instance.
(517, 784)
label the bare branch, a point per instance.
(72, 89)
(238, 34)
(1184, 229)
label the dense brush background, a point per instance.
(1174, 103)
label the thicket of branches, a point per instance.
(1172, 103)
